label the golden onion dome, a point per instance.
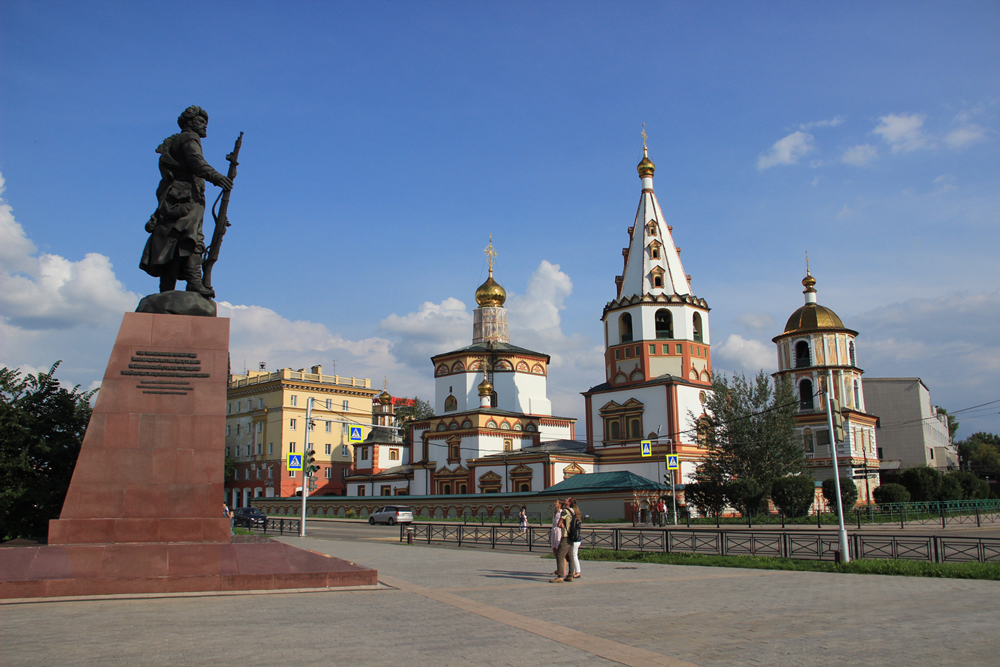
(384, 398)
(811, 317)
(646, 167)
(485, 388)
(491, 294)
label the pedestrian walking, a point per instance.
(522, 518)
(575, 537)
(229, 515)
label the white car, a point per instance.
(392, 514)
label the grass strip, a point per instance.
(902, 568)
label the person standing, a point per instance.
(523, 520)
(576, 537)
(226, 512)
(565, 521)
(555, 533)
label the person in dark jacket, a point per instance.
(176, 244)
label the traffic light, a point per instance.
(838, 421)
(309, 464)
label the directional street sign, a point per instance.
(647, 448)
(294, 462)
(672, 462)
(355, 433)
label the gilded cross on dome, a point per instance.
(807, 263)
(645, 151)
(491, 254)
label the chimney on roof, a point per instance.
(317, 369)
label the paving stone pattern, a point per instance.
(446, 606)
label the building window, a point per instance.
(652, 349)
(260, 427)
(270, 448)
(270, 473)
(329, 427)
(239, 406)
(393, 454)
(618, 353)
(678, 349)
(248, 450)
(328, 473)
(260, 446)
(293, 399)
(628, 353)
(696, 327)
(664, 324)
(854, 360)
(857, 395)
(361, 490)
(227, 430)
(291, 424)
(637, 350)
(237, 429)
(326, 449)
(931, 450)
(635, 428)
(345, 450)
(260, 403)
(329, 404)
(802, 354)
(246, 474)
(347, 406)
(229, 408)
(625, 328)
(291, 447)
(613, 429)
(454, 450)
(450, 404)
(236, 475)
(364, 453)
(508, 445)
(291, 473)
(806, 395)
(227, 451)
(807, 441)
(657, 281)
(654, 252)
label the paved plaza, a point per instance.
(444, 606)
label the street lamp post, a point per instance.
(845, 554)
(305, 474)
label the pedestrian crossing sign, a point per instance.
(355, 433)
(672, 462)
(294, 462)
(647, 447)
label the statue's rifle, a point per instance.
(221, 219)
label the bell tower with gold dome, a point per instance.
(814, 346)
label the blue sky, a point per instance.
(386, 141)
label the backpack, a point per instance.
(574, 529)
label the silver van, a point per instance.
(391, 514)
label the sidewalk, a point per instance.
(445, 606)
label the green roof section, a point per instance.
(603, 482)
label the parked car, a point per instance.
(392, 514)
(249, 517)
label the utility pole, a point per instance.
(845, 553)
(305, 472)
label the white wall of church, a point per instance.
(463, 386)
(551, 432)
(644, 322)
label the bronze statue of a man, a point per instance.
(176, 244)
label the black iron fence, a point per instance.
(275, 525)
(500, 518)
(798, 544)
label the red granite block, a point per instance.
(85, 561)
(132, 585)
(247, 582)
(181, 530)
(21, 589)
(146, 501)
(192, 584)
(193, 500)
(302, 560)
(300, 580)
(158, 431)
(136, 329)
(208, 431)
(51, 563)
(15, 562)
(186, 560)
(164, 468)
(81, 531)
(261, 558)
(203, 466)
(95, 500)
(134, 560)
(215, 530)
(120, 430)
(137, 530)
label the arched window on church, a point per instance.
(854, 359)
(802, 355)
(635, 428)
(806, 395)
(664, 324)
(613, 429)
(857, 394)
(696, 325)
(625, 328)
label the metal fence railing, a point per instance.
(798, 544)
(274, 525)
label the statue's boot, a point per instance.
(168, 283)
(193, 277)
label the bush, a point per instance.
(708, 497)
(973, 488)
(848, 493)
(891, 493)
(922, 482)
(793, 495)
(950, 488)
(745, 494)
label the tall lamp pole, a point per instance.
(305, 474)
(845, 554)
(673, 484)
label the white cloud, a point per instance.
(756, 322)
(944, 183)
(903, 132)
(748, 354)
(965, 136)
(846, 212)
(433, 329)
(860, 155)
(832, 122)
(787, 150)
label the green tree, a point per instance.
(750, 431)
(922, 482)
(950, 488)
(891, 493)
(848, 493)
(745, 494)
(793, 495)
(41, 430)
(407, 414)
(707, 496)
(973, 488)
(952, 423)
(980, 454)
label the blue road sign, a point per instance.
(647, 448)
(355, 434)
(294, 462)
(672, 462)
